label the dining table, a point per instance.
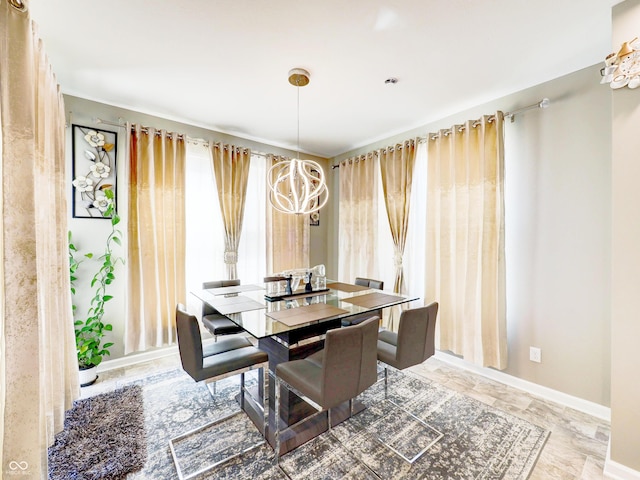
(289, 327)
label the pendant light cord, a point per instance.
(298, 138)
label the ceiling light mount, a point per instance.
(299, 77)
(391, 81)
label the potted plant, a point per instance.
(91, 330)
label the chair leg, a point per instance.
(242, 391)
(329, 419)
(386, 373)
(277, 420)
(265, 399)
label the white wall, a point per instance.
(625, 319)
(558, 248)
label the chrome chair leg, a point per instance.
(242, 391)
(277, 420)
(386, 381)
(265, 399)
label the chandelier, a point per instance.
(297, 186)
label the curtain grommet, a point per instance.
(18, 5)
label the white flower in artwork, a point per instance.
(101, 202)
(95, 139)
(100, 170)
(83, 184)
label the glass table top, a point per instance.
(248, 307)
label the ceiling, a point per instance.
(223, 64)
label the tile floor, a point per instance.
(576, 448)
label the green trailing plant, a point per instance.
(91, 330)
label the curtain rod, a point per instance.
(195, 141)
(544, 103)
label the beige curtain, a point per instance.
(231, 168)
(287, 235)
(38, 366)
(358, 207)
(156, 232)
(465, 238)
(396, 168)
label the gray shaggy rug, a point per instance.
(103, 437)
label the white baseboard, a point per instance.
(135, 358)
(617, 471)
(140, 357)
(597, 410)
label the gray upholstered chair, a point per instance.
(345, 368)
(215, 322)
(370, 282)
(412, 345)
(363, 282)
(217, 361)
(414, 342)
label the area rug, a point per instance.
(464, 438)
(103, 437)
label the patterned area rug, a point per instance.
(103, 437)
(463, 438)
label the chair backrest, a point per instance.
(189, 341)
(349, 362)
(416, 335)
(206, 309)
(363, 282)
(369, 282)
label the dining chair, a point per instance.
(412, 345)
(370, 282)
(214, 321)
(340, 372)
(217, 361)
(363, 282)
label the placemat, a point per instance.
(372, 300)
(309, 313)
(234, 304)
(346, 287)
(233, 289)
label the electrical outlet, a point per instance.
(535, 354)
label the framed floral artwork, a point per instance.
(94, 171)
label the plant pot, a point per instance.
(88, 376)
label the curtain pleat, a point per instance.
(231, 169)
(156, 237)
(465, 238)
(287, 235)
(38, 366)
(396, 168)
(358, 206)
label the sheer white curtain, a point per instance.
(205, 235)
(205, 232)
(252, 252)
(415, 248)
(414, 271)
